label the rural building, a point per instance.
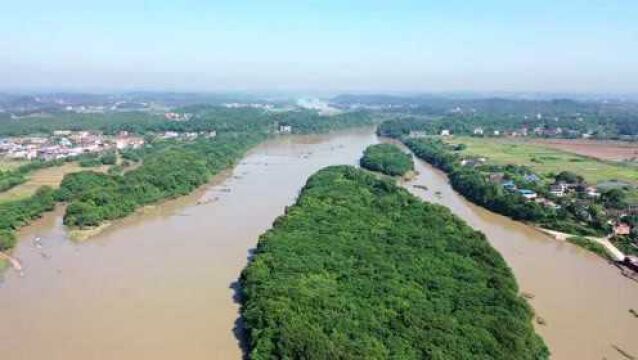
(478, 131)
(285, 129)
(547, 203)
(417, 134)
(496, 177)
(508, 185)
(472, 162)
(528, 194)
(592, 192)
(558, 189)
(445, 132)
(622, 229)
(532, 178)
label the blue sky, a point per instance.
(424, 46)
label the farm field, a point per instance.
(599, 149)
(544, 159)
(48, 176)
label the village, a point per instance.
(606, 209)
(63, 144)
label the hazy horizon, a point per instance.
(327, 47)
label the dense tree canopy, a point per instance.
(172, 171)
(14, 214)
(359, 268)
(388, 159)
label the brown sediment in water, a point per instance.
(162, 284)
(569, 283)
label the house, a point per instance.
(472, 162)
(592, 192)
(532, 178)
(497, 133)
(170, 135)
(285, 129)
(190, 135)
(65, 142)
(496, 177)
(478, 131)
(558, 189)
(61, 132)
(528, 194)
(445, 132)
(547, 203)
(622, 229)
(508, 185)
(417, 134)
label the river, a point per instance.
(160, 284)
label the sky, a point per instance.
(331, 45)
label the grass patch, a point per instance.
(625, 244)
(8, 164)
(51, 176)
(545, 160)
(588, 244)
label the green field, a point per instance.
(6, 164)
(544, 160)
(43, 177)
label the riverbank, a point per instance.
(563, 280)
(612, 251)
(170, 273)
(8, 261)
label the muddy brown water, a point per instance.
(160, 283)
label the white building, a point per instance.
(445, 132)
(285, 129)
(417, 134)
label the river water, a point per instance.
(160, 284)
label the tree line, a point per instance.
(169, 168)
(360, 268)
(474, 186)
(95, 197)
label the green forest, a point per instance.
(388, 159)
(205, 118)
(178, 170)
(14, 214)
(169, 168)
(360, 268)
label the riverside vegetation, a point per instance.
(388, 159)
(473, 184)
(169, 169)
(360, 268)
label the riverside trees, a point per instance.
(388, 159)
(359, 268)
